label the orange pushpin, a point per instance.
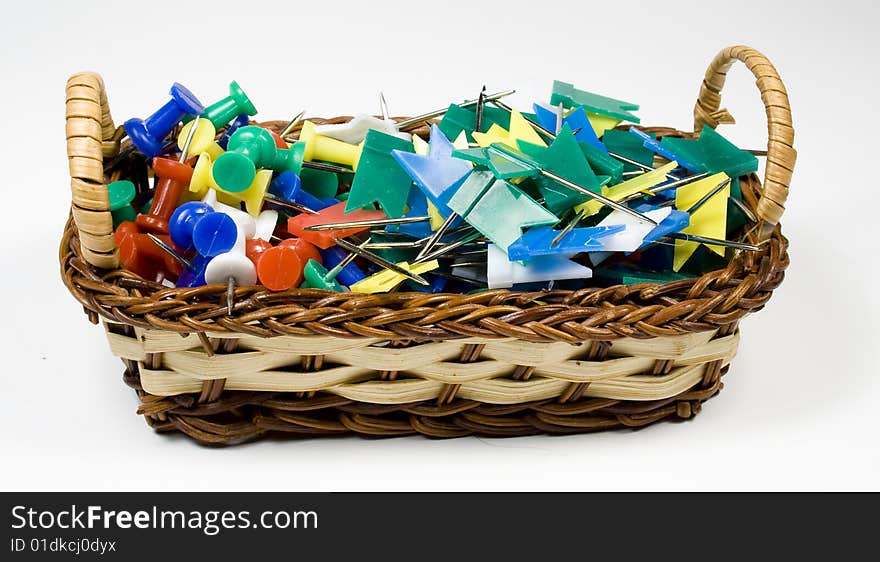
(138, 253)
(306, 250)
(173, 177)
(280, 268)
(333, 214)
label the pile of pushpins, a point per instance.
(564, 196)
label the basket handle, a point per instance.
(781, 155)
(91, 135)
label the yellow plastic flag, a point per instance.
(709, 220)
(420, 145)
(386, 279)
(520, 129)
(602, 123)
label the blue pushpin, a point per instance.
(288, 186)
(148, 134)
(417, 205)
(214, 234)
(657, 147)
(539, 242)
(183, 220)
(577, 120)
(194, 277)
(350, 274)
(438, 174)
(243, 120)
(438, 285)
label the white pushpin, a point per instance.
(630, 238)
(243, 221)
(232, 267)
(265, 225)
(355, 131)
(502, 273)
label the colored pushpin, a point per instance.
(291, 125)
(225, 110)
(399, 269)
(148, 134)
(347, 271)
(231, 268)
(288, 186)
(419, 119)
(214, 234)
(379, 178)
(324, 239)
(120, 194)
(280, 268)
(319, 277)
(201, 134)
(202, 180)
(316, 276)
(254, 195)
(320, 147)
(183, 221)
(244, 221)
(438, 174)
(482, 200)
(172, 178)
(252, 148)
(540, 242)
(708, 220)
(138, 253)
(243, 120)
(502, 273)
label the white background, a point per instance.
(801, 404)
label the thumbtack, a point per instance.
(287, 186)
(198, 137)
(187, 143)
(232, 268)
(139, 254)
(280, 268)
(120, 194)
(225, 110)
(172, 177)
(254, 195)
(380, 261)
(183, 221)
(214, 234)
(148, 134)
(419, 119)
(318, 277)
(243, 120)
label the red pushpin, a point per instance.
(142, 256)
(254, 248)
(172, 177)
(333, 214)
(280, 268)
(306, 250)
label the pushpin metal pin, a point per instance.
(292, 124)
(449, 247)
(568, 228)
(327, 167)
(289, 204)
(380, 261)
(366, 223)
(419, 119)
(437, 235)
(713, 241)
(608, 202)
(184, 151)
(230, 295)
(171, 251)
(481, 100)
(663, 187)
(693, 208)
(745, 210)
(383, 107)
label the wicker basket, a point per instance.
(501, 363)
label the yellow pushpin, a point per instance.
(320, 147)
(623, 190)
(386, 279)
(709, 220)
(202, 180)
(203, 139)
(252, 197)
(520, 129)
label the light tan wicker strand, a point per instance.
(781, 155)
(90, 137)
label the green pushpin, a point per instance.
(319, 183)
(564, 158)
(318, 277)
(379, 178)
(629, 146)
(713, 153)
(458, 119)
(570, 96)
(251, 148)
(222, 112)
(120, 194)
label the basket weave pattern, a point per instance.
(497, 362)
